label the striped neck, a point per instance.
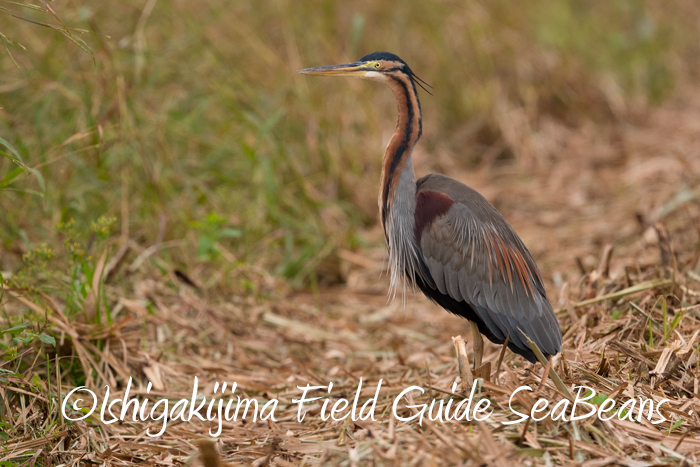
(398, 152)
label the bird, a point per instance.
(446, 239)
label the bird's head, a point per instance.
(378, 66)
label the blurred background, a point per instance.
(183, 127)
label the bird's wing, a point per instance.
(474, 256)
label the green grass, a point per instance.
(194, 114)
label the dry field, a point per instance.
(614, 234)
(176, 202)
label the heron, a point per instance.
(446, 239)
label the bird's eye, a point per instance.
(377, 65)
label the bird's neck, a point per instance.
(397, 198)
(398, 179)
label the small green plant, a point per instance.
(675, 425)
(104, 226)
(18, 169)
(598, 399)
(4, 427)
(668, 329)
(211, 231)
(70, 265)
(21, 335)
(83, 266)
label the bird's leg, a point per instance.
(478, 345)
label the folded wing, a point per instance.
(476, 259)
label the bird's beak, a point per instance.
(349, 69)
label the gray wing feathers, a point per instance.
(438, 274)
(452, 282)
(467, 263)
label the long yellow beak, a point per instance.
(348, 69)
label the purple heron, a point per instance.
(447, 239)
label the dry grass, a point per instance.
(232, 192)
(269, 347)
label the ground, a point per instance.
(629, 317)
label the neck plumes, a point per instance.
(397, 199)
